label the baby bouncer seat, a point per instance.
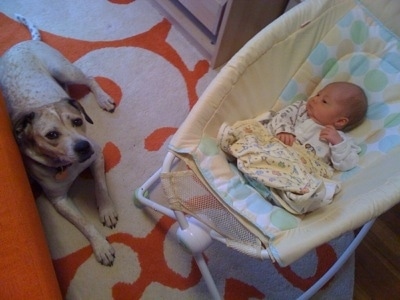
(315, 43)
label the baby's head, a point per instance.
(340, 104)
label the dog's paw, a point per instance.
(103, 251)
(106, 103)
(108, 216)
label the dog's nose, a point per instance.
(84, 150)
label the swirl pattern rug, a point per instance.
(155, 76)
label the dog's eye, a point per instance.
(77, 122)
(52, 135)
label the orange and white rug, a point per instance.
(155, 76)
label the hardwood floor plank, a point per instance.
(377, 273)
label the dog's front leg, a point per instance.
(102, 249)
(107, 212)
(102, 98)
(65, 72)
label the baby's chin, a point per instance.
(311, 116)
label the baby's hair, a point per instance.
(356, 104)
(359, 105)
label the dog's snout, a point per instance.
(82, 147)
(84, 150)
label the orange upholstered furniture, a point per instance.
(26, 269)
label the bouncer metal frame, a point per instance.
(196, 237)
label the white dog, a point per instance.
(50, 130)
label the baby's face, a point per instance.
(326, 107)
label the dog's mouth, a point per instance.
(62, 172)
(84, 152)
(63, 168)
(82, 158)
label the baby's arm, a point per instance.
(283, 123)
(344, 156)
(286, 138)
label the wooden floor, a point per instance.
(377, 274)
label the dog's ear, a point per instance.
(79, 107)
(21, 123)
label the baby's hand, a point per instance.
(329, 134)
(286, 138)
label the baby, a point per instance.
(292, 153)
(318, 123)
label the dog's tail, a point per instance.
(35, 34)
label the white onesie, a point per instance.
(294, 119)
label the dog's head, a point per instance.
(54, 135)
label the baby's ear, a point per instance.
(341, 122)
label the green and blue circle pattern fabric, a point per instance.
(360, 50)
(357, 49)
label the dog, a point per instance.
(49, 128)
